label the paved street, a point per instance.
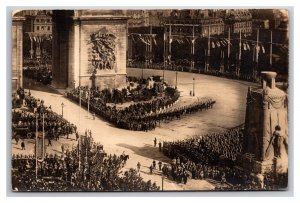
(229, 111)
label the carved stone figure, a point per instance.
(103, 50)
(277, 141)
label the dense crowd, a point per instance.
(202, 156)
(208, 148)
(213, 157)
(187, 68)
(138, 90)
(41, 74)
(24, 119)
(142, 116)
(85, 168)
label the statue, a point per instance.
(277, 141)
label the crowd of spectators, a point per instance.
(84, 168)
(42, 73)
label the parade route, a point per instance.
(229, 111)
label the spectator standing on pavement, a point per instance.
(155, 141)
(138, 166)
(154, 164)
(151, 169)
(23, 145)
(159, 145)
(17, 139)
(49, 142)
(159, 165)
(63, 148)
(77, 136)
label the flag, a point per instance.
(248, 46)
(257, 49)
(154, 41)
(132, 36)
(263, 49)
(188, 41)
(170, 40)
(223, 43)
(245, 47)
(144, 40)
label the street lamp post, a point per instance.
(176, 80)
(162, 181)
(62, 109)
(193, 86)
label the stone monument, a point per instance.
(265, 147)
(89, 48)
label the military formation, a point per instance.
(143, 116)
(36, 117)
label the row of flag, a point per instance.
(218, 43)
(40, 38)
(144, 38)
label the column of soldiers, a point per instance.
(213, 157)
(208, 157)
(24, 121)
(141, 116)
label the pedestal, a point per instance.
(248, 162)
(281, 165)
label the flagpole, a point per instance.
(222, 62)
(36, 135)
(146, 57)
(228, 50)
(193, 49)
(170, 44)
(205, 59)
(88, 103)
(256, 54)
(164, 52)
(240, 56)
(208, 49)
(43, 144)
(150, 48)
(271, 50)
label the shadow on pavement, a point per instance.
(147, 151)
(34, 85)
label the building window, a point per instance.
(37, 27)
(48, 28)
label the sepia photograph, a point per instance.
(151, 100)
